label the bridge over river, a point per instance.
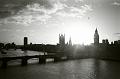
(26, 55)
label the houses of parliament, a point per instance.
(96, 40)
(104, 50)
(61, 45)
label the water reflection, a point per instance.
(109, 70)
(75, 69)
(86, 69)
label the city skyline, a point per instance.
(42, 20)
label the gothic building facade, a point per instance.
(62, 40)
(96, 37)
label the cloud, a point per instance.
(41, 11)
(9, 10)
(82, 10)
(26, 15)
(117, 33)
(75, 11)
(79, 0)
(17, 30)
(116, 3)
(25, 31)
(5, 30)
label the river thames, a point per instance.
(71, 69)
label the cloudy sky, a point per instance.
(42, 20)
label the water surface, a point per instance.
(74, 69)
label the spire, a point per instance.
(70, 41)
(96, 31)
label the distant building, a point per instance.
(117, 42)
(25, 41)
(105, 42)
(96, 37)
(62, 40)
(70, 42)
(111, 43)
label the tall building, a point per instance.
(25, 41)
(62, 39)
(96, 37)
